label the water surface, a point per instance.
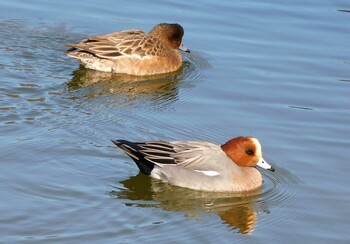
(276, 71)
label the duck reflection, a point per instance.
(235, 210)
(90, 83)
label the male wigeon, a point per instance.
(201, 165)
(133, 51)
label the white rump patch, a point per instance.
(208, 172)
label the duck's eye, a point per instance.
(249, 151)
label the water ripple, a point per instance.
(28, 86)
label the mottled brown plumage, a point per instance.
(132, 51)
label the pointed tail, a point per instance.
(132, 150)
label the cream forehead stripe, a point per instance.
(258, 146)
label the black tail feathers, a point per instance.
(132, 150)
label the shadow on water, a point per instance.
(238, 211)
(128, 90)
(90, 83)
(344, 10)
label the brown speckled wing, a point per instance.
(133, 43)
(137, 43)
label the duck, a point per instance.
(201, 165)
(133, 52)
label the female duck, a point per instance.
(133, 51)
(201, 165)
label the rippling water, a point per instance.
(276, 71)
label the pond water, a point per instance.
(276, 71)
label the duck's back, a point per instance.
(131, 52)
(204, 166)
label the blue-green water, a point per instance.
(276, 71)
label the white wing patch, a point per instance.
(208, 172)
